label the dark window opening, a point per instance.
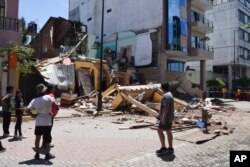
(89, 19)
(109, 10)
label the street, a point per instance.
(84, 141)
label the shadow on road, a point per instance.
(167, 157)
(36, 162)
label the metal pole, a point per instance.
(234, 63)
(99, 107)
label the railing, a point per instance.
(10, 24)
(202, 46)
(204, 21)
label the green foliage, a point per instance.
(25, 65)
(243, 82)
(247, 25)
(24, 31)
(216, 83)
(22, 51)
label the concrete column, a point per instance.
(230, 77)
(203, 74)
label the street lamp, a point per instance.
(99, 106)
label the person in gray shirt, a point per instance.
(166, 118)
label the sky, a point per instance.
(41, 10)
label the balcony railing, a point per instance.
(202, 46)
(10, 24)
(204, 21)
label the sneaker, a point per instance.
(170, 150)
(49, 156)
(2, 149)
(16, 137)
(22, 137)
(6, 135)
(37, 156)
(162, 150)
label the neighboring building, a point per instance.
(55, 36)
(230, 40)
(156, 36)
(10, 34)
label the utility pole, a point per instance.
(99, 107)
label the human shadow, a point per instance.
(3, 137)
(36, 162)
(167, 157)
(13, 140)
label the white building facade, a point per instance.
(229, 39)
(158, 33)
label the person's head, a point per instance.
(165, 86)
(18, 93)
(9, 89)
(41, 89)
(50, 88)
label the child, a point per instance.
(19, 114)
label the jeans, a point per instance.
(6, 122)
(18, 124)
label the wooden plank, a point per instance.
(136, 126)
(84, 79)
(155, 106)
(110, 90)
(117, 101)
(139, 105)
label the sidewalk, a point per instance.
(83, 141)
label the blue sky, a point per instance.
(40, 10)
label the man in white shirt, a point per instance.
(43, 105)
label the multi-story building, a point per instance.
(10, 34)
(230, 40)
(156, 36)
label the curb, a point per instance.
(25, 118)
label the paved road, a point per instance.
(83, 141)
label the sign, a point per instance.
(239, 158)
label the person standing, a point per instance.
(51, 91)
(8, 103)
(166, 118)
(43, 105)
(19, 114)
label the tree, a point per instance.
(24, 31)
(216, 83)
(24, 53)
(247, 25)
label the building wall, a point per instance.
(12, 8)
(225, 20)
(148, 15)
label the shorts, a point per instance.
(45, 131)
(166, 126)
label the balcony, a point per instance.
(204, 26)
(202, 52)
(10, 24)
(202, 4)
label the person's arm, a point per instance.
(28, 111)
(164, 117)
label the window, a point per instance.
(241, 16)
(243, 2)
(177, 30)
(2, 8)
(241, 34)
(175, 66)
